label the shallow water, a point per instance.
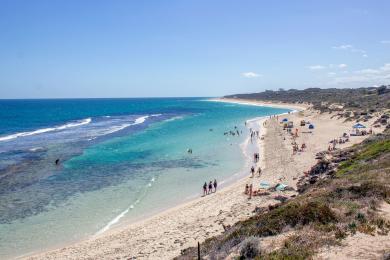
(120, 159)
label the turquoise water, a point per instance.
(120, 160)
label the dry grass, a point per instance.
(324, 213)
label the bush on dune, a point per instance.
(323, 214)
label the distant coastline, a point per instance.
(292, 106)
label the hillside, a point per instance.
(350, 102)
(342, 196)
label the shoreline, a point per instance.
(226, 184)
(223, 185)
(291, 106)
(165, 234)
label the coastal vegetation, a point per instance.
(351, 103)
(345, 198)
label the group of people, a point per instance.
(210, 188)
(336, 141)
(297, 149)
(233, 132)
(275, 116)
(254, 134)
(249, 189)
(253, 171)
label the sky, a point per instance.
(93, 48)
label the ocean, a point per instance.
(120, 160)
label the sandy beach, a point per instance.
(163, 236)
(294, 106)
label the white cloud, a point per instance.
(364, 77)
(316, 67)
(385, 42)
(351, 48)
(330, 66)
(250, 75)
(386, 67)
(343, 47)
(332, 74)
(367, 71)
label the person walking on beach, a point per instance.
(253, 171)
(215, 185)
(259, 171)
(205, 188)
(210, 187)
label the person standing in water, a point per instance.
(205, 189)
(210, 187)
(215, 185)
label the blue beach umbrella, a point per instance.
(358, 125)
(285, 120)
(311, 126)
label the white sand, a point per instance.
(164, 236)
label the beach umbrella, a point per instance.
(311, 126)
(358, 125)
(285, 120)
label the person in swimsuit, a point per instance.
(210, 187)
(205, 188)
(253, 171)
(215, 185)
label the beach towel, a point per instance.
(281, 187)
(264, 185)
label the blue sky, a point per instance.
(92, 48)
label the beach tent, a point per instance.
(358, 125)
(311, 126)
(285, 120)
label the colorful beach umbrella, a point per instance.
(358, 125)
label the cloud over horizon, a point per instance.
(316, 67)
(250, 74)
(367, 76)
(351, 48)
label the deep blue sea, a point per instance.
(119, 160)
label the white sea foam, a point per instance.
(117, 128)
(174, 118)
(117, 218)
(123, 213)
(45, 130)
(34, 149)
(140, 120)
